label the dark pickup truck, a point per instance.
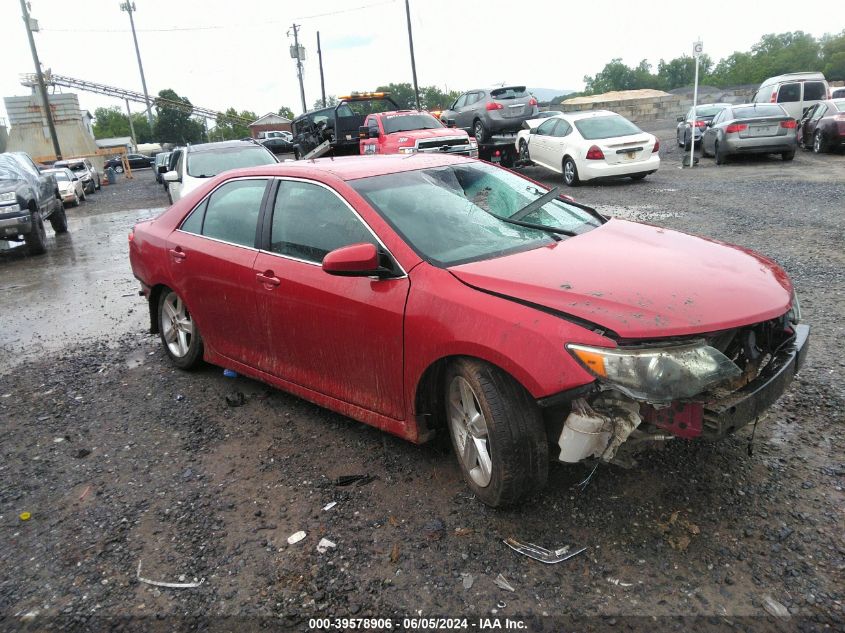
(27, 199)
(338, 124)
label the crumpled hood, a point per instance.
(640, 281)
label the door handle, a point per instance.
(178, 254)
(268, 278)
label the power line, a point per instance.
(219, 27)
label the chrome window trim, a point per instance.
(348, 206)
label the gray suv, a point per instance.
(494, 111)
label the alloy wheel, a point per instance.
(817, 142)
(569, 171)
(177, 325)
(469, 428)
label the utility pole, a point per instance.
(322, 80)
(131, 125)
(129, 7)
(41, 87)
(297, 53)
(413, 62)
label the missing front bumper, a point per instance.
(749, 403)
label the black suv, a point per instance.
(27, 198)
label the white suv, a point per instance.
(196, 163)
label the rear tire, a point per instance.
(179, 334)
(36, 239)
(58, 220)
(570, 172)
(82, 197)
(638, 176)
(480, 132)
(787, 156)
(497, 433)
(99, 184)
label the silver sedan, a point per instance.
(752, 128)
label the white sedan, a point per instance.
(590, 145)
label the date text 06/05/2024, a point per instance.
(416, 624)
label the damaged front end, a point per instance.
(707, 387)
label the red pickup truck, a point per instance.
(412, 131)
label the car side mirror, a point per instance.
(364, 132)
(171, 176)
(355, 260)
(75, 179)
(451, 123)
(162, 169)
(533, 130)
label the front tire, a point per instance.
(818, 143)
(118, 169)
(497, 433)
(570, 172)
(36, 239)
(721, 156)
(179, 334)
(524, 154)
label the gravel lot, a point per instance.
(122, 460)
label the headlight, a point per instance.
(473, 142)
(794, 314)
(9, 196)
(407, 150)
(658, 374)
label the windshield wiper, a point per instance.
(547, 197)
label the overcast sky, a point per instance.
(221, 53)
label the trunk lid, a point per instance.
(626, 149)
(640, 281)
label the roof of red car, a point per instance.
(354, 167)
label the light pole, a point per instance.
(41, 87)
(129, 7)
(413, 61)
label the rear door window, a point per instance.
(562, 129)
(230, 214)
(789, 93)
(814, 91)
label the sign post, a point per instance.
(697, 49)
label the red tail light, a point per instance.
(492, 105)
(656, 146)
(735, 127)
(701, 123)
(532, 101)
(497, 153)
(789, 125)
(594, 153)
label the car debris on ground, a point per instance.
(550, 557)
(169, 585)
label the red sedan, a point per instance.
(422, 293)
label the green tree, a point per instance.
(618, 76)
(174, 124)
(286, 112)
(331, 100)
(229, 129)
(435, 99)
(833, 56)
(680, 72)
(112, 122)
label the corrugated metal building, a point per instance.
(30, 133)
